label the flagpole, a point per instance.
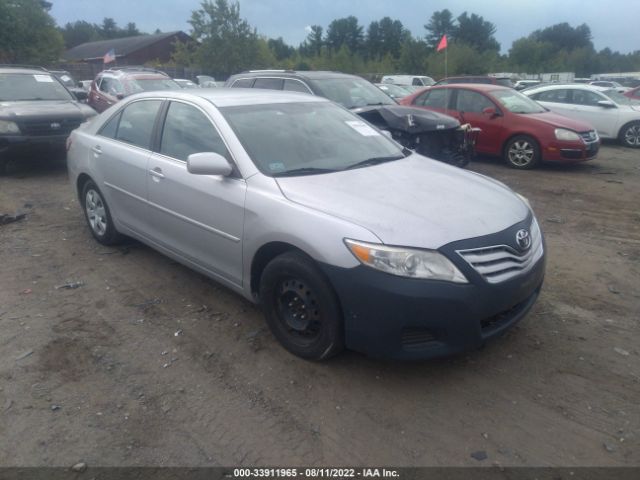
(446, 91)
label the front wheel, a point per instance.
(522, 152)
(300, 307)
(630, 135)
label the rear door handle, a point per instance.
(156, 172)
(97, 150)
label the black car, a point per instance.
(432, 134)
(68, 81)
(37, 113)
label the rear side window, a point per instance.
(268, 83)
(136, 123)
(243, 83)
(434, 98)
(295, 86)
(187, 130)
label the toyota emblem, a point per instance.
(523, 239)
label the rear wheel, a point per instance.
(522, 152)
(630, 135)
(300, 307)
(98, 216)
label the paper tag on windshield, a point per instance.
(362, 128)
(43, 78)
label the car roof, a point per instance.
(308, 74)
(480, 87)
(232, 97)
(558, 86)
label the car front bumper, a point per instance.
(18, 144)
(409, 319)
(571, 151)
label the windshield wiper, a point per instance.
(304, 171)
(374, 161)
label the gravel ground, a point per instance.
(145, 362)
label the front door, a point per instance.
(468, 109)
(199, 217)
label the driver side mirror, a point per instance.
(491, 112)
(606, 104)
(208, 163)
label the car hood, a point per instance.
(44, 109)
(560, 121)
(414, 202)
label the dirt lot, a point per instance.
(149, 363)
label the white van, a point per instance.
(415, 80)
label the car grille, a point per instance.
(49, 126)
(499, 263)
(590, 136)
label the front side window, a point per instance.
(295, 86)
(307, 138)
(560, 95)
(29, 87)
(516, 102)
(472, 102)
(187, 130)
(136, 123)
(585, 97)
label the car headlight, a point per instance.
(568, 135)
(7, 126)
(406, 262)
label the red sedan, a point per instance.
(513, 126)
(634, 93)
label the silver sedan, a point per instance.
(343, 237)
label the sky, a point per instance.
(616, 28)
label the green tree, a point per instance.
(109, 28)
(227, 43)
(441, 23)
(345, 32)
(564, 37)
(80, 32)
(413, 57)
(476, 32)
(385, 37)
(280, 49)
(313, 43)
(28, 34)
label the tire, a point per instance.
(522, 152)
(630, 135)
(301, 308)
(98, 215)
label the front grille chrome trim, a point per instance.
(499, 263)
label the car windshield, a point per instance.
(620, 99)
(394, 91)
(38, 86)
(288, 139)
(352, 92)
(516, 102)
(149, 84)
(66, 79)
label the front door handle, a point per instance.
(97, 150)
(156, 172)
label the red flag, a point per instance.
(443, 43)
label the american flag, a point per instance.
(109, 57)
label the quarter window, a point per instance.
(110, 128)
(136, 123)
(187, 130)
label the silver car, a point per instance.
(343, 237)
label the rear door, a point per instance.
(121, 154)
(199, 217)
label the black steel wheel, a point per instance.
(300, 307)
